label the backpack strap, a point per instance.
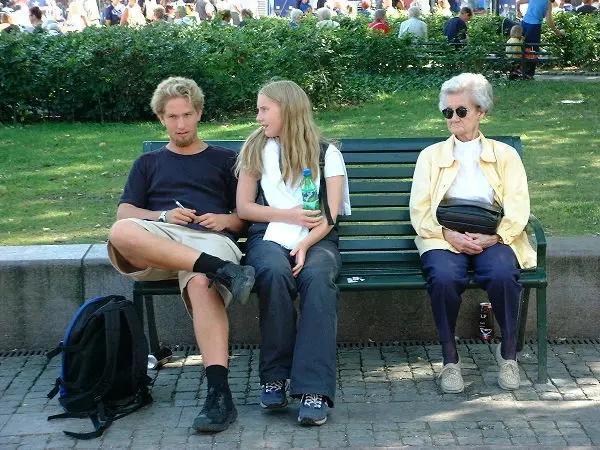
(323, 185)
(99, 429)
(139, 346)
(112, 334)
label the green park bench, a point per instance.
(495, 57)
(377, 240)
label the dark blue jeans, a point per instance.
(532, 33)
(303, 351)
(496, 271)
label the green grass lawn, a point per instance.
(60, 183)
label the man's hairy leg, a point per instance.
(211, 324)
(142, 249)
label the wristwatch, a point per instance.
(163, 216)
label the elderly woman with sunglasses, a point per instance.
(469, 166)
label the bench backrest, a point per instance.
(380, 176)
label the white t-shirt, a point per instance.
(334, 162)
(280, 195)
(470, 182)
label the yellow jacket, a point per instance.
(500, 163)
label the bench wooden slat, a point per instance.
(408, 146)
(381, 199)
(375, 229)
(375, 259)
(364, 215)
(363, 186)
(378, 157)
(375, 172)
(377, 243)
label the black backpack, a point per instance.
(104, 363)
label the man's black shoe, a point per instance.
(237, 279)
(217, 413)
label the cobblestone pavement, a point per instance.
(387, 397)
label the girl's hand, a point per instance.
(305, 217)
(300, 253)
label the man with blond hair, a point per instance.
(177, 220)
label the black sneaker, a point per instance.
(237, 279)
(313, 410)
(273, 395)
(217, 413)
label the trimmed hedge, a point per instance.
(108, 74)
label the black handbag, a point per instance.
(469, 216)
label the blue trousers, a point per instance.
(532, 32)
(303, 351)
(496, 271)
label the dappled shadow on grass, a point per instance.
(50, 173)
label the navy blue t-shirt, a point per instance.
(203, 181)
(455, 29)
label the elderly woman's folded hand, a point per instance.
(462, 242)
(483, 240)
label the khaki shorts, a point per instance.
(205, 241)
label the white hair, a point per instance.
(323, 13)
(474, 85)
(414, 11)
(295, 14)
(379, 14)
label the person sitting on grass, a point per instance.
(177, 220)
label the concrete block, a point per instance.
(41, 287)
(574, 286)
(99, 276)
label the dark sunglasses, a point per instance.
(461, 112)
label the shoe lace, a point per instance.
(212, 399)
(452, 371)
(510, 368)
(314, 400)
(218, 277)
(274, 386)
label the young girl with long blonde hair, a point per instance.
(293, 250)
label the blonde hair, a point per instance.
(175, 87)
(516, 31)
(299, 138)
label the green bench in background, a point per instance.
(377, 240)
(496, 58)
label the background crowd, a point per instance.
(61, 16)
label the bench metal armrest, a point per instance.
(540, 240)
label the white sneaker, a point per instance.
(508, 376)
(451, 380)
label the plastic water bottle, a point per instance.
(310, 196)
